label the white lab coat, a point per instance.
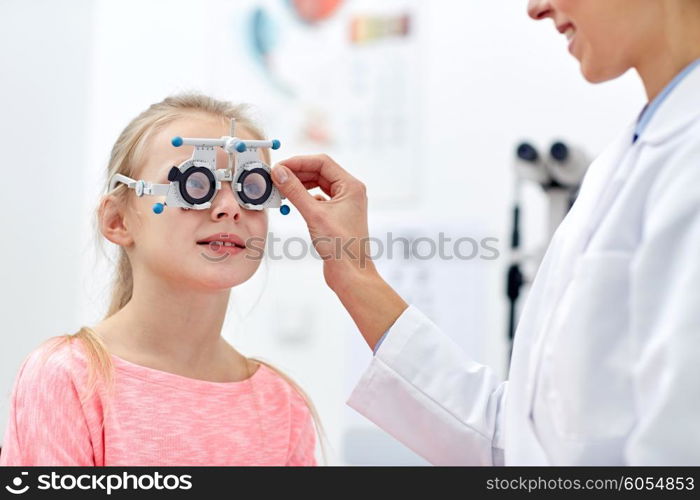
(606, 359)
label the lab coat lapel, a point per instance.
(597, 194)
(554, 275)
(680, 108)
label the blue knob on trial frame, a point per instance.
(284, 209)
(158, 208)
(176, 141)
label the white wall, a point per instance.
(487, 76)
(45, 75)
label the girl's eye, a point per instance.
(197, 185)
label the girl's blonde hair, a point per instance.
(126, 157)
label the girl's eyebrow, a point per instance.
(164, 169)
(168, 164)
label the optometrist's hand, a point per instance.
(339, 232)
(337, 226)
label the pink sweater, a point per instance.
(156, 418)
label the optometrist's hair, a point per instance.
(126, 158)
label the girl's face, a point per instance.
(606, 36)
(167, 243)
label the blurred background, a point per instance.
(425, 102)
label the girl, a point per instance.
(154, 383)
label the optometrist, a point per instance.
(606, 360)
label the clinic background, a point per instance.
(425, 102)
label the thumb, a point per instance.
(292, 188)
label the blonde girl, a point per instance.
(155, 383)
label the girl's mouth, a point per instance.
(223, 247)
(220, 244)
(223, 240)
(220, 250)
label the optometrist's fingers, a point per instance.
(329, 174)
(316, 163)
(296, 192)
(314, 184)
(314, 180)
(307, 172)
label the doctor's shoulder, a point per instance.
(293, 407)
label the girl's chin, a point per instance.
(218, 277)
(214, 286)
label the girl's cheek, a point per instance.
(259, 223)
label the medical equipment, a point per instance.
(559, 175)
(195, 182)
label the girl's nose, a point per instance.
(225, 204)
(539, 9)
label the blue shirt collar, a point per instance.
(650, 108)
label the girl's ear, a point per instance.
(112, 224)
